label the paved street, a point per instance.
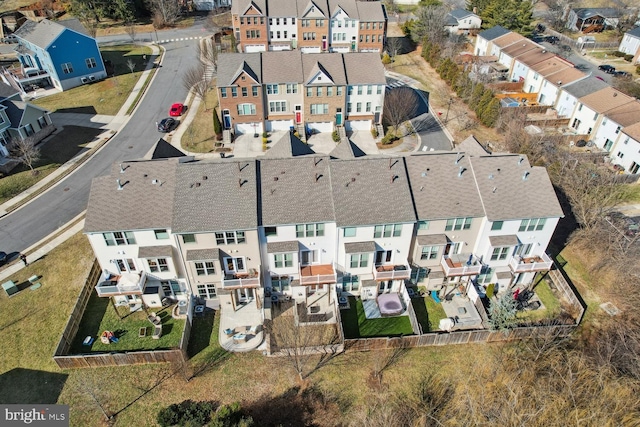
(432, 136)
(50, 211)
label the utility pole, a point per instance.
(446, 117)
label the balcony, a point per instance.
(460, 265)
(391, 272)
(250, 279)
(533, 263)
(317, 274)
(123, 284)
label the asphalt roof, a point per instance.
(369, 191)
(7, 91)
(45, 32)
(288, 146)
(296, 190)
(346, 150)
(371, 11)
(606, 99)
(493, 32)
(282, 66)
(215, 196)
(605, 12)
(634, 32)
(145, 200)
(443, 186)
(585, 87)
(231, 64)
(512, 189)
(364, 68)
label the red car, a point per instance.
(177, 110)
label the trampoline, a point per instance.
(390, 305)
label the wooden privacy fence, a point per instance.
(96, 360)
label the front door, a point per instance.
(226, 119)
(339, 117)
(298, 114)
(376, 117)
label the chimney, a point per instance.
(119, 184)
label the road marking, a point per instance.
(396, 84)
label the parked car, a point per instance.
(607, 68)
(3, 257)
(621, 74)
(177, 109)
(11, 38)
(552, 39)
(167, 125)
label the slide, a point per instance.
(434, 295)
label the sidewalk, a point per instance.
(112, 125)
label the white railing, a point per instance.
(520, 264)
(395, 272)
(106, 290)
(470, 267)
(237, 280)
(318, 279)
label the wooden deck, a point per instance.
(317, 270)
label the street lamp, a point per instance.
(446, 117)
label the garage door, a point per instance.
(254, 48)
(280, 47)
(309, 49)
(343, 49)
(242, 128)
(370, 50)
(320, 126)
(274, 125)
(357, 125)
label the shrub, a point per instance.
(187, 412)
(389, 138)
(265, 135)
(638, 69)
(386, 59)
(217, 126)
(619, 54)
(336, 136)
(374, 132)
(264, 139)
(628, 58)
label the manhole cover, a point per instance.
(130, 147)
(610, 309)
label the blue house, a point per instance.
(59, 54)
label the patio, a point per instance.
(100, 315)
(241, 330)
(462, 309)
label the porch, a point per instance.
(317, 274)
(121, 284)
(460, 265)
(249, 279)
(534, 263)
(392, 272)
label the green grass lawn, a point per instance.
(428, 313)
(100, 316)
(199, 136)
(551, 303)
(106, 96)
(56, 151)
(356, 325)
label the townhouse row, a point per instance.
(312, 26)
(311, 92)
(596, 112)
(294, 226)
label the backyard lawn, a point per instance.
(199, 136)
(549, 300)
(428, 313)
(100, 316)
(106, 96)
(356, 325)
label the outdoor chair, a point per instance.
(154, 318)
(157, 332)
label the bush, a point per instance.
(374, 132)
(265, 135)
(217, 126)
(187, 412)
(628, 58)
(336, 136)
(638, 69)
(389, 138)
(619, 54)
(386, 59)
(264, 140)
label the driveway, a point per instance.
(432, 135)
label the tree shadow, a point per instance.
(201, 330)
(29, 386)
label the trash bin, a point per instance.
(222, 155)
(292, 129)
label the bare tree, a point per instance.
(87, 385)
(555, 13)
(400, 105)
(131, 65)
(194, 79)
(207, 54)
(165, 12)
(296, 341)
(25, 151)
(130, 28)
(394, 46)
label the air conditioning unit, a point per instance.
(84, 80)
(92, 78)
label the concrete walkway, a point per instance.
(111, 124)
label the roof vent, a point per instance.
(121, 168)
(498, 170)
(393, 178)
(119, 184)
(318, 175)
(282, 172)
(615, 93)
(520, 160)
(353, 179)
(490, 176)
(154, 181)
(205, 177)
(544, 51)
(421, 187)
(458, 158)
(494, 189)
(197, 184)
(559, 82)
(461, 171)
(525, 176)
(275, 178)
(241, 182)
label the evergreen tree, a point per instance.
(514, 15)
(491, 113)
(217, 126)
(487, 96)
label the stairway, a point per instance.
(342, 132)
(226, 136)
(301, 133)
(380, 130)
